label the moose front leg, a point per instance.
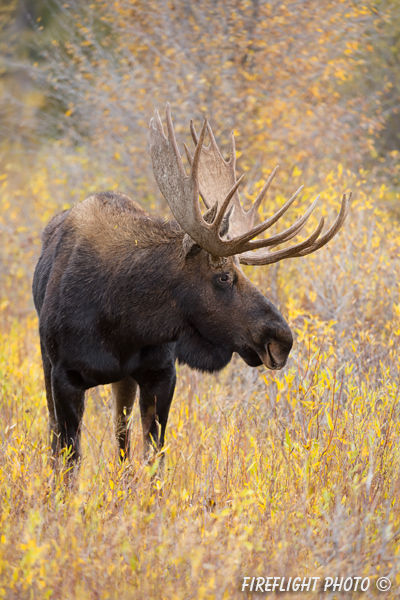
(124, 393)
(156, 393)
(69, 405)
(52, 424)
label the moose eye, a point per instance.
(225, 277)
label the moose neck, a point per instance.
(146, 281)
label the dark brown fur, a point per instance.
(121, 296)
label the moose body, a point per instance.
(119, 302)
(122, 295)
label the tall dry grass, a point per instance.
(288, 473)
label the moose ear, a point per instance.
(223, 230)
(210, 215)
(189, 245)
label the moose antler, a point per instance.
(215, 179)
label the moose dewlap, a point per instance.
(122, 295)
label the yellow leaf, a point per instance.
(328, 418)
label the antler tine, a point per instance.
(218, 220)
(302, 249)
(243, 221)
(172, 138)
(334, 228)
(256, 205)
(282, 237)
(195, 137)
(267, 258)
(190, 157)
(216, 175)
(213, 143)
(180, 191)
(195, 164)
(232, 148)
(158, 123)
(258, 229)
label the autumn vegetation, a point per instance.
(286, 473)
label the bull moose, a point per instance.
(121, 295)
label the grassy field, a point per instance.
(290, 473)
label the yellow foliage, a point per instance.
(267, 473)
(259, 466)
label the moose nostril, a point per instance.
(278, 353)
(271, 356)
